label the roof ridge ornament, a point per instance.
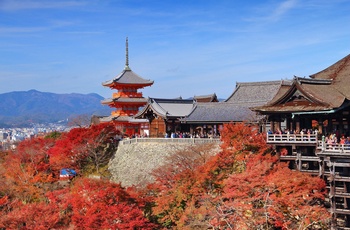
(127, 55)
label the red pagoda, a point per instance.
(127, 100)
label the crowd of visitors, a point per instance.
(190, 135)
(287, 131)
(331, 140)
(179, 135)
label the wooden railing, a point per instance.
(307, 139)
(333, 148)
(291, 138)
(170, 140)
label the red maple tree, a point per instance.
(242, 187)
(84, 146)
(99, 204)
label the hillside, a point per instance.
(20, 108)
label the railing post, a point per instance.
(322, 145)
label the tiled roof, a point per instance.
(219, 112)
(258, 93)
(319, 94)
(206, 98)
(124, 100)
(323, 92)
(168, 107)
(127, 76)
(236, 107)
(339, 73)
(285, 86)
(114, 118)
(122, 118)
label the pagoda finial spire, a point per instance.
(127, 55)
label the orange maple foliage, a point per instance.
(242, 187)
(99, 204)
(31, 198)
(32, 216)
(267, 194)
(82, 146)
(27, 168)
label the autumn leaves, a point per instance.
(241, 187)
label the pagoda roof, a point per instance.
(131, 100)
(221, 112)
(128, 77)
(255, 93)
(112, 118)
(123, 119)
(166, 108)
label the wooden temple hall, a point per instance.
(310, 130)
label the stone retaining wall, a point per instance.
(133, 163)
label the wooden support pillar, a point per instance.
(272, 124)
(297, 126)
(278, 124)
(320, 126)
(291, 125)
(321, 168)
(332, 196)
(298, 161)
(345, 203)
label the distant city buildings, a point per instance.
(9, 137)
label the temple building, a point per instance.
(127, 100)
(316, 139)
(164, 115)
(208, 118)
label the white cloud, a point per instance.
(14, 5)
(11, 30)
(273, 12)
(282, 9)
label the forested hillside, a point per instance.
(22, 108)
(241, 187)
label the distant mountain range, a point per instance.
(22, 108)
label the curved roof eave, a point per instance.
(131, 84)
(142, 111)
(308, 95)
(158, 109)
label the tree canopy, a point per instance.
(243, 186)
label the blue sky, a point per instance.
(188, 47)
